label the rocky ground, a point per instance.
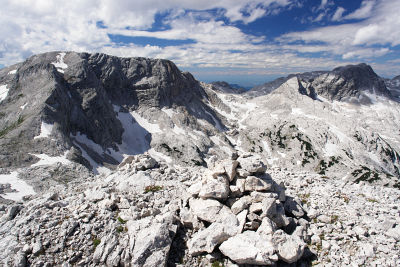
(147, 213)
(351, 224)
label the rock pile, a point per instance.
(238, 209)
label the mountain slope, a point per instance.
(58, 101)
(130, 162)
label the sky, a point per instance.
(243, 42)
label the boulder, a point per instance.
(230, 168)
(215, 187)
(256, 184)
(205, 209)
(293, 207)
(210, 210)
(290, 248)
(267, 227)
(205, 240)
(249, 248)
(252, 165)
(241, 204)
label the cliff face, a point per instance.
(342, 83)
(72, 94)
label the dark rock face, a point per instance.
(81, 97)
(349, 81)
(394, 86)
(227, 88)
(341, 83)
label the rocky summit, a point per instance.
(109, 161)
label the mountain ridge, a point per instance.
(136, 163)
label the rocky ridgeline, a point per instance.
(238, 210)
(135, 217)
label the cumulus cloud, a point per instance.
(34, 26)
(382, 28)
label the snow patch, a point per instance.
(135, 138)
(59, 63)
(48, 160)
(22, 188)
(159, 156)
(170, 112)
(97, 168)
(331, 149)
(12, 72)
(23, 106)
(45, 130)
(150, 127)
(3, 92)
(216, 122)
(283, 155)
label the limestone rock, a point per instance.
(293, 207)
(252, 165)
(205, 240)
(256, 184)
(241, 204)
(289, 247)
(249, 248)
(217, 187)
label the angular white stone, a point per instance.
(252, 165)
(249, 248)
(256, 184)
(217, 187)
(241, 204)
(290, 248)
(205, 240)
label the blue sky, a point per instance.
(246, 42)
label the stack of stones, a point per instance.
(239, 210)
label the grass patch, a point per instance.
(122, 221)
(96, 242)
(152, 188)
(304, 198)
(121, 229)
(11, 127)
(372, 200)
(217, 264)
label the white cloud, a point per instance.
(338, 14)
(364, 11)
(382, 28)
(35, 26)
(323, 4)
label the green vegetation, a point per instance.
(11, 127)
(96, 242)
(217, 264)
(334, 218)
(365, 174)
(122, 221)
(152, 188)
(304, 198)
(323, 166)
(372, 200)
(121, 229)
